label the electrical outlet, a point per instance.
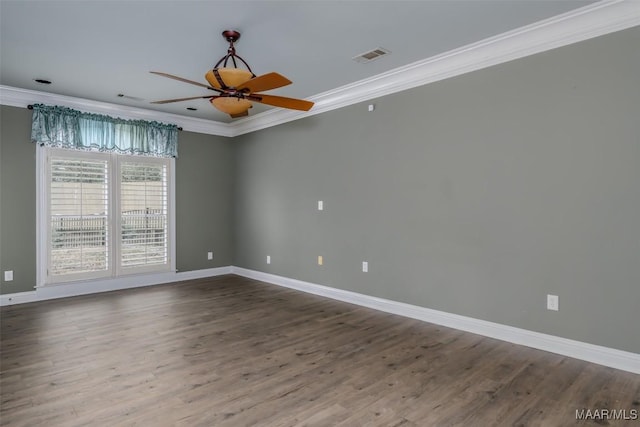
(365, 267)
(552, 302)
(268, 259)
(8, 275)
(209, 255)
(320, 260)
(320, 205)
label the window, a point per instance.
(79, 205)
(107, 215)
(143, 213)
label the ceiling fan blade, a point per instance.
(264, 82)
(171, 76)
(281, 101)
(167, 101)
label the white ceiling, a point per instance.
(97, 49)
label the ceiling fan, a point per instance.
(237, 88)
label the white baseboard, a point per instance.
(17, 298)
(201, 274)
(106, 285)
(605, 356)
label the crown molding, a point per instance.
(591, 21)
(17, 97)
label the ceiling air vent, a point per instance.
(371, 55)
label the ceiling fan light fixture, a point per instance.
(228, 77)
(231, 105)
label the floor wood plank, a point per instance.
(230, 351)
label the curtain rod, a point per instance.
(30, 107)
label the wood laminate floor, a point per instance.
(230, 351)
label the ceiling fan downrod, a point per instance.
(232, 36)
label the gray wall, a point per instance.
(17, 200)
(204, 201)
(477, 195)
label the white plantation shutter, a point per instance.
(79, 205)
(143, 214)
(107, 215)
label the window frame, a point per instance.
(43, 215)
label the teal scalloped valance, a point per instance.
(63, 127)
